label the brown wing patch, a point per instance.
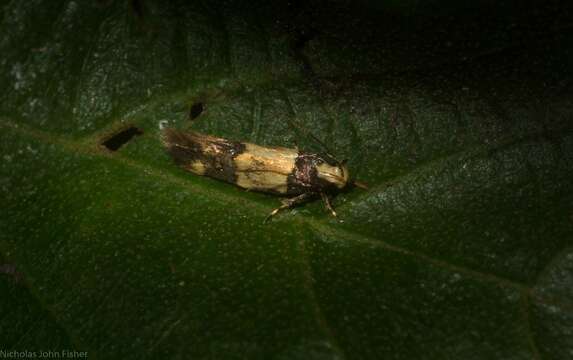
(203, 154)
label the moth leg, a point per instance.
(327, 203)
(288, 203)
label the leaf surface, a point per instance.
(461, 247)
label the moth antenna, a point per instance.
(360, 185)
(327, 151)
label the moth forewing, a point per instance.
(277, 170)
(264, 168)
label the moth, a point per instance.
(287, 172)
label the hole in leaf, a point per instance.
(196, 110)
(121, 138)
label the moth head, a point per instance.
(334, 175)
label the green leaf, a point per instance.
(461, 248)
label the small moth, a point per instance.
(277, 170)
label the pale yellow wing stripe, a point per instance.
(265, 168)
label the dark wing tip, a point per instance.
(176, 138)
(170, 137)
(181, 146)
